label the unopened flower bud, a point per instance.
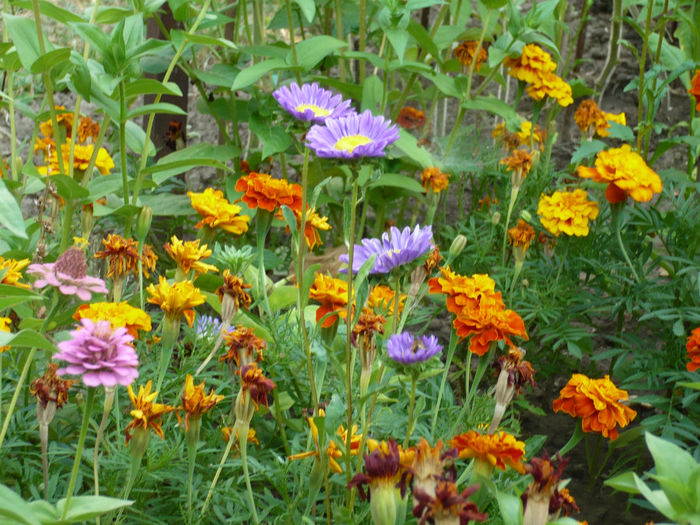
(139, 442)
(457, 245)
(495, 218)
(383, 504)
(143, 223)
(526, 216)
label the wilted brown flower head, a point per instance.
(50, 387)
(466, 51)
(255, 384)
(235, 288)
(544, 488)
(244, 346)
(447, 506)
(410, 118)
(519, 371)
(382, 468)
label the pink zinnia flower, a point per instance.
(69, 274)
(100, 354)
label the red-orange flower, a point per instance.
(496, 450)
(695, 88)
(255, 384)
(332, 293)
(693, 348)
(410, 118)
(244, 346)
(521, 235)
(260, 190)
(597, 403)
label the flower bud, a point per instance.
(383, 504)
(139, 442)
(143, 223)
(457, 245)
(496, 218)
(526, 216)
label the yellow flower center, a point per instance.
(318, 111)
(350, 142)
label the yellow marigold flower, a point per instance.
(552, 86)
(146, 413)
(535, 67)
(497, 450)
(63, 117)
(410, 118)
(195, 401)
(226, 435)
(520, 161)
(692, 346)
(591, 119)
(314, 223)
(123, 255)
(10, 271)
(466, 51)
(625, 172)
(87, 129)
(510, 141)
(260, 190)
(5, 323)
(188, 256)
(521, 235)
(332, 293)
(382, 299)
(83, 154)
(567, 212)
(176, 300)
(435, 179)
(597, 403)
(217, 212)
(118, 314)
(538, 136)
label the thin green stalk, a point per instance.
(13, 124)
(107, 408)
(243, 446)
(122, 141)
(455, 129)
(340, 36)
(614, 48)
(450, 354)
(513, 197)
(292, 44)
(262, 226)
(348, 348)
(616, 211)
(397, 293)
(657, 57)
(411, 408)
(363, 41)
(642, 65)
(79, 451)
(151, 117)
(472, 66)
(280, 422)
(227, 451)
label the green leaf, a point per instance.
(511, 508)
(671, 461)
(308, 8)
(252, 74)
(23, 34)
(201, 154)
(94, 36)
(372, 91)
(694, 385)
(422, 36)
(167, 204)
(312, 50)
(10, 213)
(618, 131)
(151, 86)
(13, 295)
(397, 180)
(408, 144)
(160, 107)
(587, 150)
(51, 10)
(136, 138)
(361, 286)
(623, 482)
(68, 188)
(51, 59)
(275, 139)
(27, 339)
(87, 507)
(282, 297)
(14, 508)
(494, 106)
(655, 497)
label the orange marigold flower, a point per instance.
(521, 235)
(625, 172)
(314, 223)
(195, 401)
(63, 118)
(332, 293)
(693, 348)
(597, 403)
(122, 253)
(466, 51)
(118, 314)
(188, 256)
(382, 299)
(226, 435)
(87, 129)
(591, 119)
(261, 190)
(496, 450)
(552, 86)
(51, 388)
(5, 323)
(244, 346)
(146, 413)
(434, 179)
(255, 384)
(410, 118)
(217, 212)
(177, 299)
(11, 271)
(526, 135)
(82, 155)
(695, 88)
(479, 310)
(520, 161)
(148, 260)
(429, 464)
(235, 288)
(567, 212)
(533, 63)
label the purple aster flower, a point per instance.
(406, 349)
(362, 135)
(396, 247)
(311, 102)
(69, 275)
(100, 354)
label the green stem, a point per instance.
(573, 441)
(642, 65)
(616, 211)
(107, 408)
(122, 142)
(363, 41)
(210, 493)
(292, 44)
(262, 226)
(411, 408)
(450, 354)
(455, 129)
(79, 451)
(243, 445)
(340, 36)
(513, 197)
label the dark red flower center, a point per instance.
(72, 263)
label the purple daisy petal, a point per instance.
(395, 248)
(100, 354)
(406, 349)
(312, 103)
(354, 136)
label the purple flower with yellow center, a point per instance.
(69, 275)
(311, 102)
(354, 136)
(100, 354)
(406, 349)
(396, 247)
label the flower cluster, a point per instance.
(625, 173)
(536, 68)
(217, 212)
(591, 119)
(693, 348)
(567, 212)
(260, 190)
(597, 403)
(479, 310)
